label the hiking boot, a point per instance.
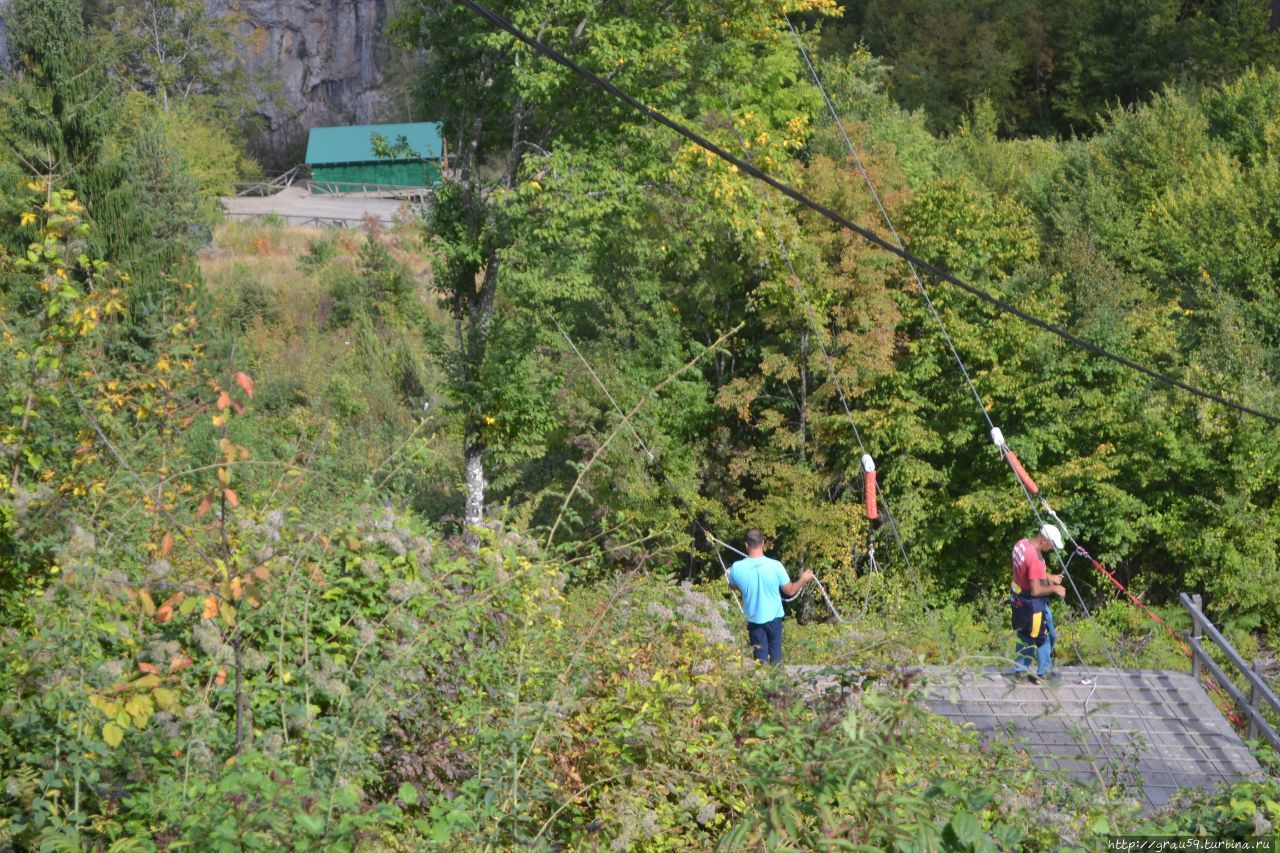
(1029, 677)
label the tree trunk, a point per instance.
(1275, 17)
(473, 458)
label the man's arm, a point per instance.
(790, 590)
(1051, 585)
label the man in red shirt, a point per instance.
(1029, 602)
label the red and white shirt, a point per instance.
(1028, 566)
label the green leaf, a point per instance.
(408, 794)
(312, 823)
(967, 829)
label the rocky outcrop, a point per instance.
(318, 62)
(4, 44)
(322, 61)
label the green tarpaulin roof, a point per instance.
(352, 144)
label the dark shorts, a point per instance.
(766, 640)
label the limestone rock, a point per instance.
(325, 60)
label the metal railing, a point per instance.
(271, 187)
(322, 187)
(302, 220)
(1259, 691)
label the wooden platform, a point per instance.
(1154, 731)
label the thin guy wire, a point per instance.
(868, 235)
(875, 196)
(811, 318)
(715, 540)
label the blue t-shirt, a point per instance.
(759, 579)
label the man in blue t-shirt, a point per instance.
(763, 583)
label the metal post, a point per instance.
(1255, 700)
(1196, 633)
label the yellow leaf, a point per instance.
(228, 614)
(139, 707)
(28, 217)
(112, 734)
(166, 699)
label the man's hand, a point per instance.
(790, 590)
(1055, 579)
(1060, 591)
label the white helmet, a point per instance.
(1053, 534)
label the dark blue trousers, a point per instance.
(766, 640)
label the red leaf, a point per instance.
(221, 678)
(224, 400)
(231, 497)
(245, 383)
(179, 663)
(166, 544)
(205, 504)
(149, 668)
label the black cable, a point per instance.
(868, 235)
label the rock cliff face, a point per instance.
(326, 60)
(4, 45)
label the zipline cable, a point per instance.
(842, 221)
(1024, 480)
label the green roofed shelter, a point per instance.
(341, 157)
